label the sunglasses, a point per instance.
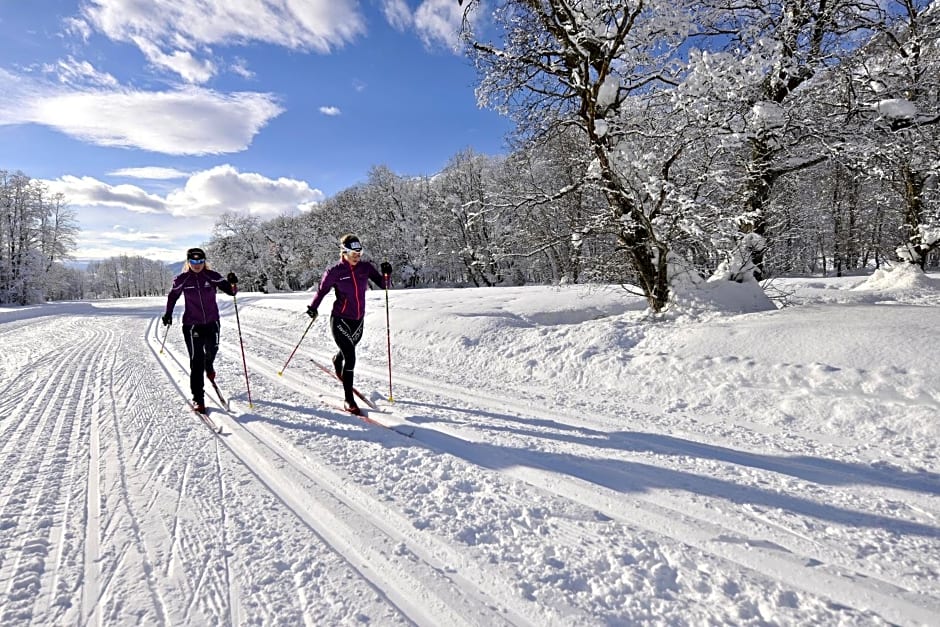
(352, 251)
(196, 261)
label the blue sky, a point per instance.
(155, 118)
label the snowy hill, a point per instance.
(571, 461)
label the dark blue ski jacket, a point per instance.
(198, 290)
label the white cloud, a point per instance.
(186, 121)
(77, 27)
(240, 67)
(171, 33)
(397, 14)
(330, 110)
(223, 189)
(101, 238)
(206, 194)
(438, 21)
(182, 62)
(70, 71)
(88, 191)
(150, 172)
(183, 217)
(123, 233)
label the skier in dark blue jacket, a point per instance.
(197, 284)
(349, 280)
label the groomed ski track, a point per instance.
(302, 514)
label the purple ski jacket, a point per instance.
(198, 290)
(350, 285)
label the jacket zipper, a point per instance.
(352, 272)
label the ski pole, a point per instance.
(388, 337)
(242, 344)
(163, 343)
(281, 371)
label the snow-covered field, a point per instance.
(573, 462)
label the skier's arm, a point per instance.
(326, 284)
(174, 294)
(376, 276)
(223, 284)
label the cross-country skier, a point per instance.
(348, 279)
(197, 284)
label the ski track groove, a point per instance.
(456, 597)
(222, 596)
(212, 589)
(57, 591)
(847, 585)
(338, 511)
(23, 378)
(234, 614)
(681, 520)
(90, 610)
(118, 411)
(177, 370)
(26, 570)
(904, 491)
(27, 400)
(724, 537)
(175, 531)
(328, 514)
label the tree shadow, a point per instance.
(626, 476)
(815, 469)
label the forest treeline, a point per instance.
(743, 139)
(734, 140)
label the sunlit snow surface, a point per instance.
(574, 461)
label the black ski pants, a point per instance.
(346, 334)
(202, 342)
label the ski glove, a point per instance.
(232, 278)
(167, 319)
(311, 312)
(386, 268)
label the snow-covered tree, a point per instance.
(751, 64)
(238, 245)
(126, 276)
(587, 65)
(37, 233)
(892, 104)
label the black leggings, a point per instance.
(202, 342)
(346, 334)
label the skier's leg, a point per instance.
(196, 362)
(338, 364)
(211, 335)
(346, 334)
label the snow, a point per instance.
(574, 461)
(768, 115)
(896, 108)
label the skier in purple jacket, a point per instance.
(197, 284)
(348, 279)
